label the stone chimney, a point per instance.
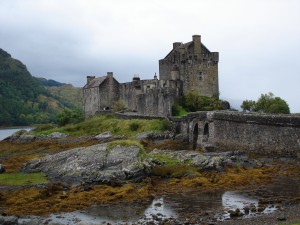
(110, 74)
(197, 44)
(89, 79)
(176, 44)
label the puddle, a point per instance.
(248, 206)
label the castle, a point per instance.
(187, 67)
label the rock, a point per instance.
(103, 136)
(21, 137)
(52, 136)
(281, 216)
(235, 213)
(57, 135)
(34, 221)
(8, 220)
(94, 164)
(2, 168)
(155, 135)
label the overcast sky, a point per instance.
(66, 40)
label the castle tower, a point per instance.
(194, 65)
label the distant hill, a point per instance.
(50, 83)
(26, 100)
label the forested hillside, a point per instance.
(23, 98)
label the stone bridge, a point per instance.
(267, 134)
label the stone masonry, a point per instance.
(189, 66)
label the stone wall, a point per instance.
(267, 134)
(157, 102)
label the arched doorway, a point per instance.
(205, 133)
(195, 136)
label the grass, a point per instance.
(171, 167)
(128, 143)
(19, 179)
(101, 123)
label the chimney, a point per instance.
(176, 44)
(110, 74)
(89, 79)
(197, 44)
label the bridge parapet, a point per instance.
(267, 134)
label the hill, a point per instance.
(24, 99)
(67, 92)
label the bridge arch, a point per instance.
(195, 136)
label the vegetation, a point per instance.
(22, 178)
(119, 106)
(267, 103)
(69, 116)
(127, 143)
(53, 198)
(71, 96)
(23, 98)
(193, 102)
(102, 123)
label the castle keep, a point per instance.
(189, 66)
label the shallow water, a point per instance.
(183, 204)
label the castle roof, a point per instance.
(96, 82)
(187, 46)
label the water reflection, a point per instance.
(158, 208)
(234, 200)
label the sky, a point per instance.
(66, 40)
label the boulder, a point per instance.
(21, 137)
(2, 168)
(104, 136)
(94, 164)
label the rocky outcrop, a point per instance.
(24, 136)
(94, 164)
(21, 137)
(8, 220)
(155, 135)
(207, 161)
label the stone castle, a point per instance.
(187, 67)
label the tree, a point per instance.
(248, 105)
(69, 116)
(267, 103)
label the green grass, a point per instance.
(128, 143)
(99, 124)
(22, 178)
(165, 160)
